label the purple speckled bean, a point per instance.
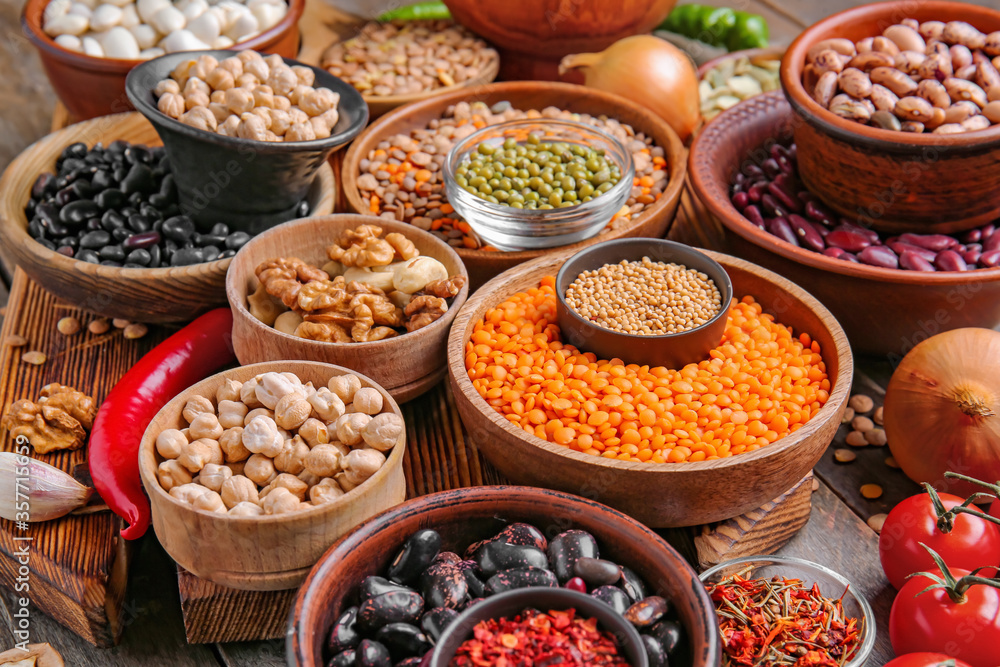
(779, 227)
(771, 206)
(935, 242)
(807, 232)
(141, 241)
(879, 255)
(756, 191)
(899, 248)
(992, 243)
(869, 234)
(785, 197)
(915, 262)
(971, 257)
(836, 253)
(949, 260)
(847, 240)
(752, 213)
(741, 200)
(990, 259)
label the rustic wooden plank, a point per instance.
(214, 613)
(837, 538)
(79, 568)
(155, 635)
(253, 654)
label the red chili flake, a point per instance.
(536, 639)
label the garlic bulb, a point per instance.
(34, 491)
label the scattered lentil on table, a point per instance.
(645, 298)
(402, 178)
(760, 384)
(536, 174)
(772, 197)
(408, 57)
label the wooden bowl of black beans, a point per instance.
(90, 213)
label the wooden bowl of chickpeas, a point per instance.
(245, 134)
(254, 472)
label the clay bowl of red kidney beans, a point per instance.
(889, 291)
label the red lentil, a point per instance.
(760, 384)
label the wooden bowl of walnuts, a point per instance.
(291, 300)
(254, 472)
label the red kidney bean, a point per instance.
(836, 253)
(784, 197)
(771, 167)
(752, 213)
(818, 213)
(739, 178)
(741, 200)
(772, 207)
(756, 191)
(778, 151)
(935, 242)
(752, 171)
(949, 260)
(915, 262)
(847, 240)
(849, 257)
(987, 231)
(971, 257)
(869, 234)
(990, 259)
(879, 255)
(899, 248)
(992, 243)
(805, 196)
(972, 236)
(779, 227)
(808, 233)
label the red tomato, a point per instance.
(972, 543)
(926, 660)
(931, 622)
(995, 509)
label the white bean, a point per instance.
(182, 40)
(148, 8)
(80, 9)
(145, 35)
(107, 16)
(222, 42)
(92, 47)
(67, 24)
(194, 9)
(244, 26)
(268, 15)
(55, 9)
(71, 42)
(130, 16)
(120, 43)
(147, 54)
(205, 27)
(168, 20)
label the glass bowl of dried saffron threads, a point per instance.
(776, 612)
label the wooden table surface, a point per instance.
(837, 534)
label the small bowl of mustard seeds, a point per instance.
(645, 301)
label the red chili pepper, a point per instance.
(190, 355)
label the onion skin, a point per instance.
(647, 70)
(942, 410)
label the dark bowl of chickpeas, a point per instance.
(644, 301)
(245, 133)
(538, 182)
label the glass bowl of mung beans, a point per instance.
(538, 183)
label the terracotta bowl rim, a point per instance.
(234, 291)
(675, 149)
(326, 566)
(43, 42)
(349, 96)
(722, 208)
(378, 479)
(871, 138)
(839, 391)
(20, 232)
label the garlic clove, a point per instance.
(50, 493)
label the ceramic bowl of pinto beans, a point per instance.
(254, 472)
(245, 134)
(897, 108)
(88, 47)
(375, 295)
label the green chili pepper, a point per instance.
(718, 26)
(432, 10)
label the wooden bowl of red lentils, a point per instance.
(393, 169)
(668, 446)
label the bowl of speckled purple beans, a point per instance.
(889, 291)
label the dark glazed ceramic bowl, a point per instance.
(91, 87)
(893, 181)
(464, 516)
(249, 185)
(883, 311)
(670, 350)
(514, 602)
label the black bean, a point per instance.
(47, 243)
(178, 228)
(77, 150)
(120, 234)
(139, 180)
(29, 208)
(646, 612)
(82, 188)
(344, 633)
(220, 229)
(137, 153)
(371, 653)
(403, 640)
(65, 196)
(392, 607)
(111, 221)
(113, 252)
(237, 240)
(138, 256)
(614, 596)
(102, 179)
(47, 212)
(139, 223)
(93, 223)
(656, 654)
(225, 254)
(159, 201)
(117, 147)
(56, 230)
(436, 621)
(303, 209)
(135, 199)
(119, 173)
(523, 577)
(374, 585)
(597, 572)
(208, 239)
(150, 211)
(565, 548)
(41, 185)
(186, 256)
(70, 242)
(417, 553)
(95, 239)
(110, 198)
(70, 165)
(108, 262)
(668, 633)
(88, 255)
(75, 213)
(36, 229)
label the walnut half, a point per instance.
(423, 310)
(47, 428)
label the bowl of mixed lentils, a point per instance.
(394, 169)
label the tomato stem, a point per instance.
(992, 489)
(946, 517)
(955, 588)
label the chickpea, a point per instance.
(305, 75)
(210, 501)
(233, 65)
(195, 100)
(187, 493)
(309, 478)
(260, 469)
(280, 122)
(229, 390)
(319, 100)
(314, 432)
(221, 79)
(205, 63)
(350, 426)
(217, 97)
(263, 96)
(329, 118)
(361, 464)
(282, 103)
(195, 406)
(257, 412)
(272, 386)
(196, 85)
(171, 104)
(274, 60)
(200, 117)
(239, 489)
(232, 413)
(345, 386)
(246, 81)
(368, 400)
(231, 443)
(251, 127)
(297, 93)
(297, 487)
(239, 100)
(280, 501)
(383, 431)
(182, 71)
(297, 115)
(171, 474)
(166, 86)
(246, 56)
(170, 443)
(228, 127)
(300, 132)
(261, 436)
(327, 490)
(346, 484)
(292, 457)
(323, 460)
(236, 467)
(198, 454)
(258, 69)
(319, 128)
(246, 509)
(206, 425)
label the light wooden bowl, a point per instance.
(407, 365)
(660, 494)
(269, 552)
(176, 294)
(655, 220)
